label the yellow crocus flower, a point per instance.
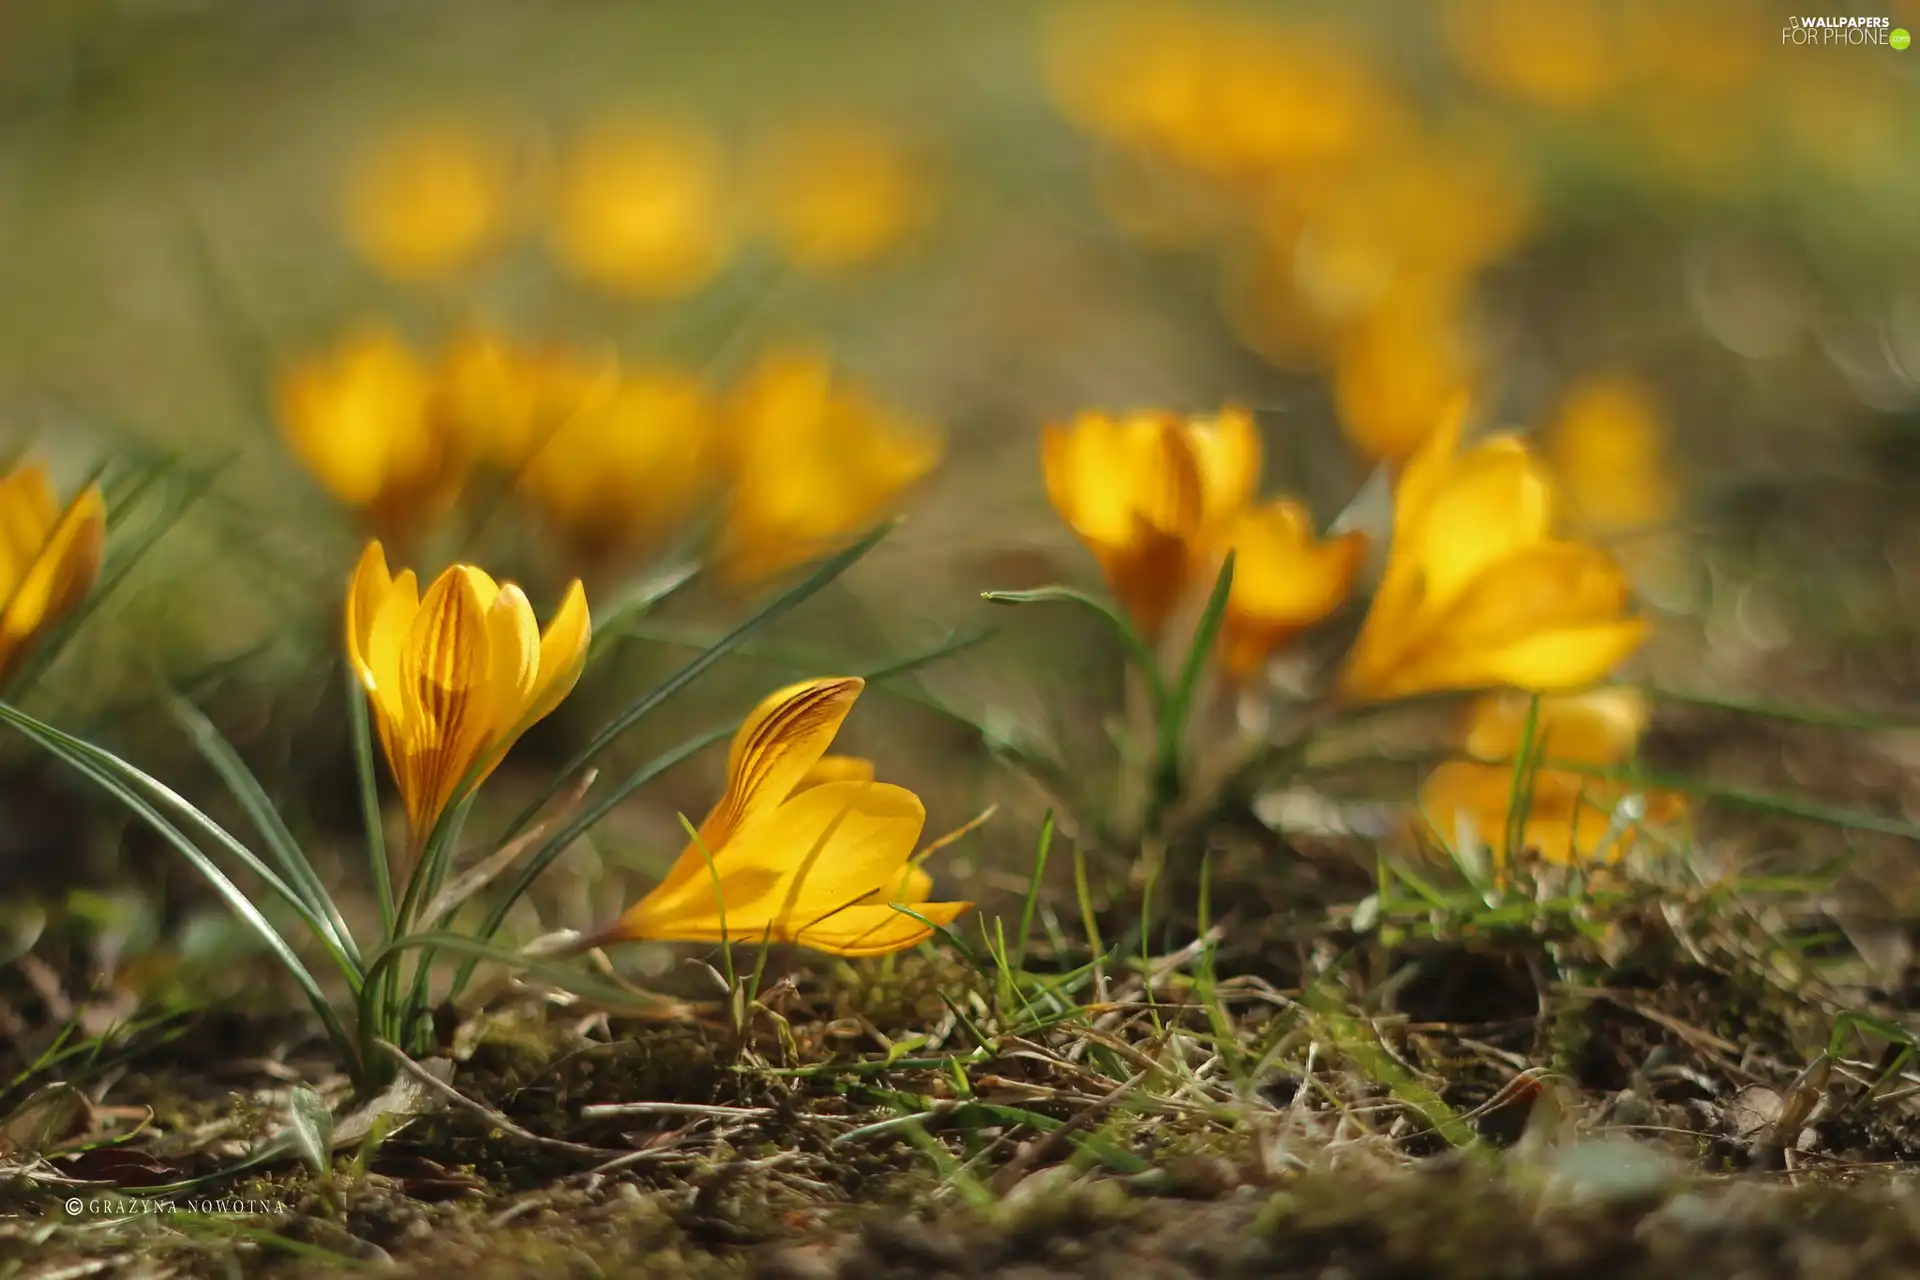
(456, 677)
(1478, 592)
(1150, 494)
(362, 420)
(1606, 447)
(815, 460)
(425, 202)
(49, 558)
(802, 847)
(628, 465)
(1284, 581)
(839, 193)
(638, 208)
(1569, 815)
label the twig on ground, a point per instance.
(492, 1117)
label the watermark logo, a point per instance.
(1843, 30)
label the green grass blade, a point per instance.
(1136, 647)
(108, 772)
(476, 950)
(1816, 717)
(1032, 901)
(1173, 712)
(287, 854)
(84, 763)
(829, 569)
(359, 724)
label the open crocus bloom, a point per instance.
(1569, 816)
(1284, 581)
(1148, 494)
(1478, 592)
(49, 558)
(802, 847)
(457, 676)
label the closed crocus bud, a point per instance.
(1150, 494)
(455, 677)
(1478, 592)
(49, 557)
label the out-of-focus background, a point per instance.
(1675, 240)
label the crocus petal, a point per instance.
(387, 640)
(59, 577)
(777, 746)
(823, 850)
(1284, 581)
(1227, 456)
(1597, 727)
(563, 654)
(913, 884)
(444, 669)
(864, 930)
(1147, 575)
(1498, 501)
(513, 656)
(371, 585)
(27, 513)
(1565, 658)
(837, 769)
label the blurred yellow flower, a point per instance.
(503, 400)
(1284, 581)
(1150, 494)
(455, 678)
(1397, 372)
(628, 465)
(639, 208)
(1567, 55)
(794, 852)
(1478, 592)
(1606, 447)
(49, 558)
(1569, 816)
(838, 193)
(1406, 229)
(425, 202)
(362, 420)
(1228, 94)
(814, 461)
